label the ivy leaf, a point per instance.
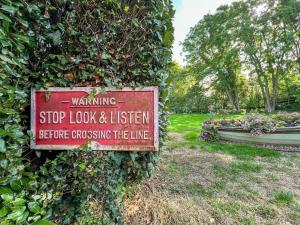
(16, 185)
(159, 36)
(126, 9)
(2, 146)
(23, 22)
(7, 197)
(34, 207)
(3, 211)
(6, 18)
(18, 202)
(43, 222)
(3, 132)
(105, 56)
(24, 217)
(17, 213)
(9, 9)
(6, 59)
(82, 166)
(55, 37)
(38, 153)
(22, 38)
(2, 32)
(150, 167)
(133, 155)
(15, 133)
(6, 190)
(4, 163)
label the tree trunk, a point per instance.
(268, 105)
(234, 99)
(266, 95)
(274, 92)
(237, 100)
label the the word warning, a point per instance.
(70, 118)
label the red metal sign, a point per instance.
(68, 118)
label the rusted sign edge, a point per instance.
(94, 145)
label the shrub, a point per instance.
(75, 43)
(210, 131)
(288, 119)
(20, 202)
(257, 125)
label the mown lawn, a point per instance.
(214, 183)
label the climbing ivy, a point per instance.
(107, 43)
(20, 201)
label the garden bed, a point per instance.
(284, 139)
(282, 130)
(281, 136)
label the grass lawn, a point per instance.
(213, 183)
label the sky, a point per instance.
(188, 13)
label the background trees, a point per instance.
(187, 93)
(248, 47)
(267, 47)
(213, 55)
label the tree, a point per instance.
(267, 45)
(259, 38)
(288, 13)
(213, 54)
(186, 93)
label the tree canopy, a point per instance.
(250, 46)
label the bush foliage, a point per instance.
(107, 43)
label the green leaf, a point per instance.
(17, 214)
(43, 222)
(3, 211)
(126, 9)
(6, 59)
(2, 33)
(82, 166)
(133, 155)
(34, 207)
(55, 37)
(24, 217)
(6, 18)
(7, 197)
(23, 22)
(4, 163)
(2, 146)
(18, 202)
(105, 56)
(6, 191)
(3, 180)
(159, 36)
(15, 133)
(150, 166)
(2, 131)
(16, 185)
(22, 38)
(5, 43)
(9, 9)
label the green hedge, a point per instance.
(106, 43)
